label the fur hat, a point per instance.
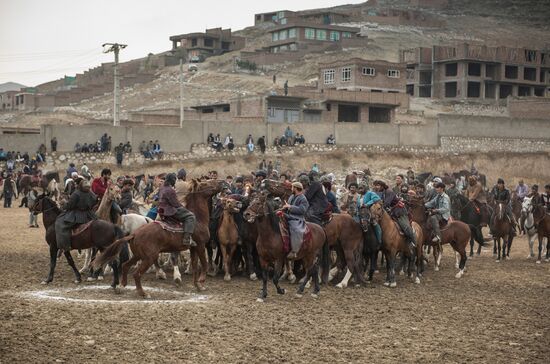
(298, 185)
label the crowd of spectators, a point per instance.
(102, 145)
(151, 150)
(12, 158)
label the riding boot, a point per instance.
(187, 240)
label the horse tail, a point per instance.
(110, 253)
(325, 260)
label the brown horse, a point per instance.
(542, 224)
(99, 234)
(148, 241)
(343, 234)
(228, 234)
(502, 231)
(393, 242)
(270, 247)
(456, 233)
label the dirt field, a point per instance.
(498, 312)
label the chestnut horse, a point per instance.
(228, 234)
(148, 241)
(270, 247)
(502, 231)
(343, 234)
(99, 234)
(393, 242)
(456, 233)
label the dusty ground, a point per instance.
(498, 312)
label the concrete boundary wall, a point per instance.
(175, 139)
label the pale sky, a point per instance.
(42, 40)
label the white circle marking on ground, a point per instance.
(58, 295)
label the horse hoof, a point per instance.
(77, 281)
(529, 256)
(457, 266)
(117, 290)
(315, 295)
(45, 282)
(458, 275)
(100, 278)
(401, 273)
(341, 285)
(538, 261)
(436, 269)
(161, 275)
(227, 278)
(298, 295)
(177, 281)
(308, 285)
(417, 280)
(281, 291)
(91, 279)
(547, 260)
(393, 284)
(202, 288)
(253, 277)
(260, 300)
(387, 284)
(498, 260)
(376, 271)
(292, 279)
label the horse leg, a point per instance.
(210, 252)
(463, 257)
(159, 271)
(195, 267)
(143, 266)
(497, 243)
(77, 276)
(225, 255)
(174, 258)
(540, 249)
(53, 262)
(202, 276)
(263, 291)
(277, 271)
(114, 264)
(547, 257)
(288, 273)
(472, 244)
(125, 268)
(350, 263)
(391, 263)
(250, 269)
(437, 259)
(316, 286)
(87, 260)
(531, 243)
(388, 270)
(372, 265)
(494, 247)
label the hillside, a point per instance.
(11, 86)
(514, 23)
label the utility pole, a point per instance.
(115, 47)
(181, 54)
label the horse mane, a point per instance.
(53, 206)
(272, 217)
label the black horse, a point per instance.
(467, 214)
(370, 243)
(99, 234)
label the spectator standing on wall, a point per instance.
(250, 143)
(289, 136)
(261, 144)
(227, 140)
(53, 144)
(119, 153)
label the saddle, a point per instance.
(169, 224)
(399, 230)
(285, 235)
(81, 228)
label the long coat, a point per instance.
(317, 200)
(79, 207)
(168, 201)
(296, 218)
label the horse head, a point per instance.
(231, 205)
(500, 211)
(257, 207)
(276, 188)
(42, 204)
(527, 205)
(377, 210)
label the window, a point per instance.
(346, 35)
(474, 69)
(511, 72)
(208, 42)
(275, 49)
(283, 34)
(334, 36)
(474, 89)
(393, 73)
(193, 42)
(310, 33)
(451, 69)
(348, 113)
(329, 77)
(293, 47)
(274, 36)
(379, 115)
(346, 74)
(530, 74)
(368, 71)
(283, 21)
(321, 34)
(292, 33)
(450, 89)
(284, 48)
(281, 14)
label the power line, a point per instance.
(115, 48)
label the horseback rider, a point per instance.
(521, 190)
(350, 204)
(452, 192)
(397, 210)
(182, 186)
(331, 197)
(260, 176)
(477, 197)
(295, 211)
(99, 187)
(399, 183)
(78, 210)
(169, 206)
(431, 193)
(502, 195)
(316, 197)
(545, 198)
(440, 208)
(364, 201)
(126, 195)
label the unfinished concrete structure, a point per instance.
(476, 72)
(282, 17)
(358, 74)
(213, 42)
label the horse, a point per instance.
(456, 233)
(271, 251)
(370, 242)
(148, 241)
(228, 234)
(26, 182)
(542, 224)
(502, 231)
(529, 224)
(393, 242)
(97, 233)
(472, 218)
(343, 234)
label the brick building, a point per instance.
(213, 42)
(358, 74)
(283, 17)
(295, 36)
(7, 100)
(476, 72)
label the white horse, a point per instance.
(529, 225)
